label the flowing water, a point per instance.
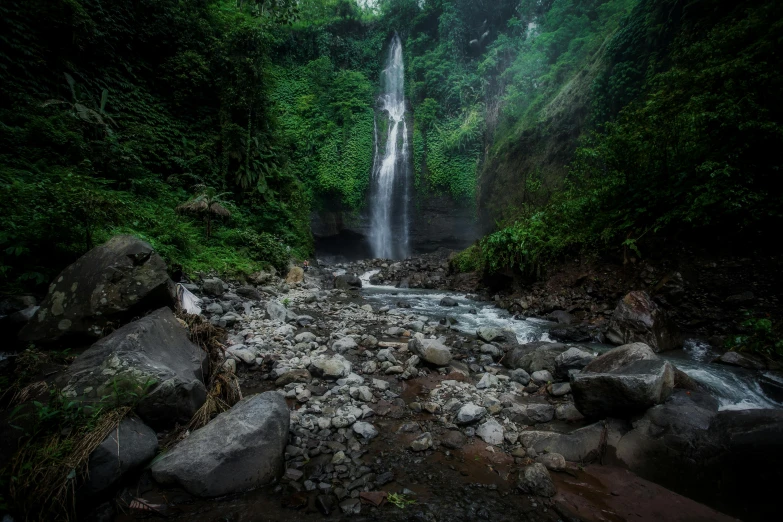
(735, 388)
(390, 185)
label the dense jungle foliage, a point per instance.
(115, 115)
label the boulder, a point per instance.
(470, 413)
(531, 413)
(295, 275)
(491, 432)
(571, 334)
(331, 368)
(571, 359)
(743, 360)
(448, 301)
(238, 450)
(535, 479)
(622, 382)
(489, 334)
(344, 344)
(108, 285)
(214, 287)
(431, 350)
(278, 312)
(347, 282)
(561, 317)
(249, 292)
(149, 362)
(638, 319)
(533, 357)
(582, 445)
(128, 447)
(552, 461)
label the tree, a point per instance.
(208, 203)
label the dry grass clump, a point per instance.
(45, 473)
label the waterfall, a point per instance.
(389, 191)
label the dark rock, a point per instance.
(638, 319)
(743, 360)
(448, 301)
(582, 445)
(607, 388)
(347, 282)
(531, 413)
(108, 285)
(571, 334)
(150, 362)
(248, 292)
(533, 357)
(131, 445)
(561, 317)
(571, 359)
(214, 287)
(453, 439)
(238, 450)
(535, 479)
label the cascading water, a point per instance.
(389, 193)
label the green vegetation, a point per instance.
(762, 337)
(110, 113)
(684, 129)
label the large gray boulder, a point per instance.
(622, 382)
(535, 479)
(128, 447)
(431, 350)
(108, 285)
(278, 312)
(346, 282)
(331, 368)
(638, 318)
(533, 357)
(150, 363)
(571, 359)
(582, 445)
(240, 449)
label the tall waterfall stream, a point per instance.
(389, 236)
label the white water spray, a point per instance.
(389, 204)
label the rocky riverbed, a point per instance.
(375, 403)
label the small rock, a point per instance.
(422, 442)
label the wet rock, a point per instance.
(638, 318)
(582, 445)
(238, 450)
(531, 413)
(453, 439)
(568, 412)
(108, 285)
(622, 382)
(541, 377)
(365, 429)
(331, 368)
(470, 413)
(448, 301)
(571, 334)
(559, 389)
(561, 317)
(533, 357)
(422, 442)
(572, 359)
(519, 375)
(535, 479)
(151, 362)
(490, 334)
(128, 447)
(552, 461)
(352, 506)
(490, 432)
(431, 350)
(742, 360)
(347, 282)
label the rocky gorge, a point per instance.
(330, 394)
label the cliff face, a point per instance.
(436, 221)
